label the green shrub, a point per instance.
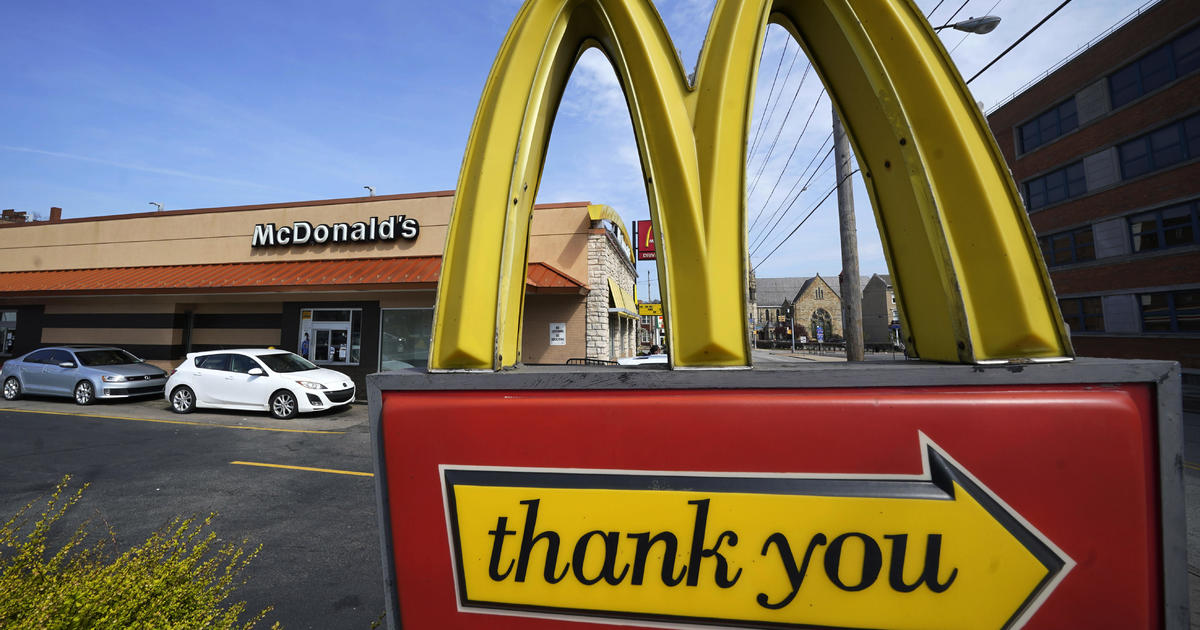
(180, 577)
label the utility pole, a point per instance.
(851, 291)
(792, 323)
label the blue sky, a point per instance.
(108, 106)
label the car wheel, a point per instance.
(183, 400)
(85, 393)
(12, 388)
(283, 404)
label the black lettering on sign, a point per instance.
(670, 548)
(528, 540)
(872, 561)
(929, 574)
(795, 575)
(698, 540)
(607, 572)
(721, 572)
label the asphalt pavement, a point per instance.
(301, 488)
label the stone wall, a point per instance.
(818, 294)
(608, 337)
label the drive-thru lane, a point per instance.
(302, 489)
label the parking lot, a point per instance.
(302, 488)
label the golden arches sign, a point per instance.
(961, 252)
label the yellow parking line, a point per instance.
(185, 422)
(324, 470)
(1191, 465)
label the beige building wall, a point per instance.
(224, 235)
(555, 239)
(543, 310)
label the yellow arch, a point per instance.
(959, 246)
(600, 212)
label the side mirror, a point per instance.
(66, 364)
(256, 372)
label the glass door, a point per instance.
(331, 342)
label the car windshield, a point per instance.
(105, 357)
(286, 362)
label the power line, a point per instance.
(964, 5)
(784, 201)
(785, 206)
(935, 8)
(783, 171)
(770, 92)
(966, 35)
(1021, 39)
(779, 132)
(766, 234)
(771, 113)
(793, 188)
(802, 221)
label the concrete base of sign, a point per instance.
(1080, 462)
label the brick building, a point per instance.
(1106, 152)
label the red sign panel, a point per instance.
(645, 240)
(536, 509)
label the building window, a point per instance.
(1166, 227)
(1175, 311)
(1083, 314)
(820, 295)
(1050, 125)
(331, 336)
(1176, 58)
(1068, 247)
(822, 325)
(1055, 186)
(1160, 148)
(404, 338)
(1187, 52)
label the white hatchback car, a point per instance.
(256, 379)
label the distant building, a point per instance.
(818, 309)
(808, 302)
(881, 316)
(1106, 152)
(773, 298)
(12, 216)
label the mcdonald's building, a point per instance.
(350, 283)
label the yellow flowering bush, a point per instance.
(180, 577)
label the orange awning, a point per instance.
(291, 276)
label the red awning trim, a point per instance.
(290, 276)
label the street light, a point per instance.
(371, 190)
(978, 25)
(158, 205)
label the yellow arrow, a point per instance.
(932, 550)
